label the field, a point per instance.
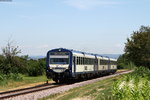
(26, 82)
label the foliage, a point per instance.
(36, 67)
(10, 62)
(12, 76)
(142, 72)
(137, 47)
(124, 63)
(134, 86)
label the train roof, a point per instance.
(88, 54)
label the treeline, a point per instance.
(137, 50)
(13, 66)
(22, 65)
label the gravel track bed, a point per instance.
(61, 89)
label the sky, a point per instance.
(95, 26)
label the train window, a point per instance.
(103, 67)
(92, 61)
(74, 60)
(79, 60)
(87, 62)
(82, 60)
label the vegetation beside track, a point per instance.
(97, 91)
(132, 86)
(27, 81)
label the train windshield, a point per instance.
(59, 61)
(59, 58)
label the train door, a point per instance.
(109, 64)
(96, 64)
(74, 66)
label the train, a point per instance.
(63, 65)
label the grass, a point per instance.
(136, 87)
(25, 82)
(100, 90)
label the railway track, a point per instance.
(13, 93)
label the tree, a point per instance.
(11, 61)
(122, 62)
(137, 47)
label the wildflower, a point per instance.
(122, 84)
(131, 84)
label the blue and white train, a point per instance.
(64, 64)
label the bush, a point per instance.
(5, 78)
(14, 76)
(142, 72)
(134, 86)
(35, 67)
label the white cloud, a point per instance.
(87, 4)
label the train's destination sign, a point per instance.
(59, 53)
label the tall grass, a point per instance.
(134, 86)
(5, 78)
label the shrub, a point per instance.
(142, 72)
(134, 86)
(35, 67)
(14, 76)
(5, 78)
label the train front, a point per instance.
(58, 64)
